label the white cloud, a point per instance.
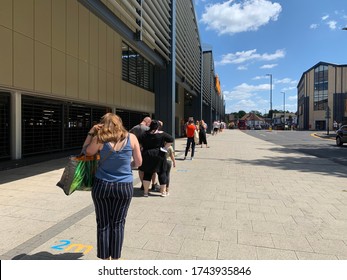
(325, 17)
(293, 98)
(286, 81)
(248, 15)
(268, 66)
(314, 26)
(242, 67)
(249, 56)
(332, 24)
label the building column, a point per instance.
(16, 125)
(165, 83)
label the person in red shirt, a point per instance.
(190, 138)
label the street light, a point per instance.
(284, 108)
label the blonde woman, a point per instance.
(113, 188)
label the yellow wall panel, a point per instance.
(109, 89)
(43, 21)
(43, 67)
(23, 21)
(58, 72)
(83, 80)
(6, 13)
(102, 87)
(23, 61)
(6, 53)
(93, 40)
(59, 24)
(93, 83)
(102, 45)
(72, 28)
(110, 51)
(71, 76)
(83, 33)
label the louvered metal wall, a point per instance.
(150, 19)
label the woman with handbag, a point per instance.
(113, 187)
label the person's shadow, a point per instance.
(49, 256)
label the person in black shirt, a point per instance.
(154, 159)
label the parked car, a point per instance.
(341, 135)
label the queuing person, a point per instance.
(202, 133)
(139, 130)
(113, 187)
(171, 162)
(190, 129)
(154, 160)
(215, 127)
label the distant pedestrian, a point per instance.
(190, 129)
(202, 133)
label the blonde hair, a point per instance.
(112, 129)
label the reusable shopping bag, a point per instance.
(79, 173)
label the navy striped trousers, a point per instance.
(111, 201)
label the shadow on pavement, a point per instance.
(48, 256)
(19, 169)
(305, 164)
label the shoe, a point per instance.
(167, 194)
(163, 194)
(163, 149)
(155, 187)
(191, 158)
(145, 195)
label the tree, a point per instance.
(241, 114)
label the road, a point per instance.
(304, 142)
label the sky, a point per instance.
(253, 38)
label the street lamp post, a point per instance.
(270, 75)
(284, 108)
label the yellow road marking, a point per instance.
(314, 135)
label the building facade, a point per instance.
(322, 97)
(65, 63)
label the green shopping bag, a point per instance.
(79, 173)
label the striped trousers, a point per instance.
(111, 201)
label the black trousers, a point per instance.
(111, 201)
(190, 140)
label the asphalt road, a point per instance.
(305, 142)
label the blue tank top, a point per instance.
(116, 167)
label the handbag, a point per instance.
(196, 137)
(79, 173)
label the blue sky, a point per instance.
(252, 38)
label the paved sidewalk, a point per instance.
(243, 198)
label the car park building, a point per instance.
(322, 96)
(65, 63)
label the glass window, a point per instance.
(136, 69)
(125, 62)
(320, 88)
